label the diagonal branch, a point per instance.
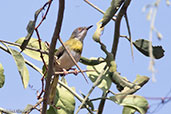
(91, 90)
(44, 16)
(117, 27)
(51, 53)
(27, 47)
(98, 9)
(72, 58)
(129, 33)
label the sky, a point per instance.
(15, 16)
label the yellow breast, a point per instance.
(75, 45)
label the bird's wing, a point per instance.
(59, 52)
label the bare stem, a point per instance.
(72, 72)
(51, 53)
(102, 103)
(40, 47)
(27, 47)
(98, 9)
(34, 107)
(151, 64)
(72, 58)
(44, 16)
(91, 90)
(129, 33)
(117, 27)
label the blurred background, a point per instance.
(16, 14)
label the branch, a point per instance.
(44, 16)
(129, 33)
(75, 94)
(4, 111)
(98, 9)
(33, 107)
(117, 27)
(102, 103)
(40, 47)
(51, 53)
(72, 58)
(151, 64)
(91, 90)
(26, 61)
(27, 47)
(72, 72)
(37, 32)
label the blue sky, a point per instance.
(15, 16)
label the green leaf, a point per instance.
(88, 102)
(141, 80)
(128, 110)
(87, 61)
(65, 101)
(105, 83)
(2, 76)
(135, 102)
(111, 11)
(51, 110)
(6, 111)
(23, 71)
(143, 46)
(98, 32)
(33, 43)
(30, 30)
(27, 108)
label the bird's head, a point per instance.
(80, 33)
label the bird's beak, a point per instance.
(89, 27)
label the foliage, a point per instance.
(2, 76)
(103, 75)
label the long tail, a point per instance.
(52, 93)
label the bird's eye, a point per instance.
(80, 29)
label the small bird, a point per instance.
(63, 60)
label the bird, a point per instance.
(63, 61)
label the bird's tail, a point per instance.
(52, 93)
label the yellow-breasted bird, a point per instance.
(64, 61)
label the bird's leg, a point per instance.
(75, 71)
(65, 72)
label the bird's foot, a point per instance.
(75, 71)
(65, 72)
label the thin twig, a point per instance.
(4, 111)
(99, 98)
(42, 89)
(112, 92)
(62, 84)
(37, 32)
(26, 61)
(44, 16)
(116, 40)
(34, 107)
(102, 103)
(27, 47)
(91, 90)
(33, 66)
(72, 58)
(98, 9)
(40, 47)
(72, 72)
(129, 33)
(41, 56)
(51, 53)
(151, 64)
(75, 94)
